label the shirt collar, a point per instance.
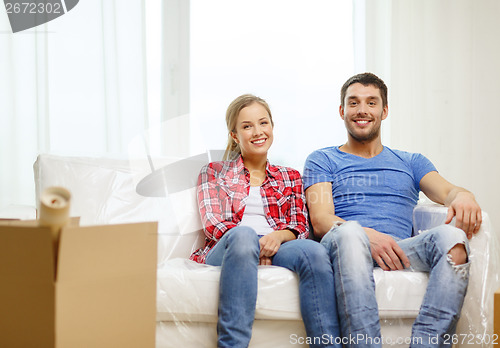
(240, 167)
(270, 169)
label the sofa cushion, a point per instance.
(188, 291)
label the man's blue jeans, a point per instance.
(349, 249)
(238, 254)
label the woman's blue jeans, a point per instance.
(237, 253)
(349, 248)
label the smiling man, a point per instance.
(361, 196)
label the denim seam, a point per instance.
(442, 251)
(346, 313)
(316, 309)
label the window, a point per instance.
(294, 54)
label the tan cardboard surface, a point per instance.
(106, 284)
(104, 294)
(27, 289)
(73, 221)
(496, 319)
(17, 222)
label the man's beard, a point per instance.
(363, 138)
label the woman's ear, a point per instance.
(235, 137)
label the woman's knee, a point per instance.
(304, 255)
(309, 250)
(243, 240)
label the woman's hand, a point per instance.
(265, 261)
(269, 244)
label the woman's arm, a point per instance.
(209, 204)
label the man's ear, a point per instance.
(385, 112)
(341, 112)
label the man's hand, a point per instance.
(460, 202)
(467, 213)
(385, 251)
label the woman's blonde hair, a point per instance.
(233, 148)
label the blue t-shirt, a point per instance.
(378, 192)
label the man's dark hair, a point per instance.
(366, 79)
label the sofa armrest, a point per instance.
(427, 216)
(477, 312)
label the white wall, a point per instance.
(443, 72)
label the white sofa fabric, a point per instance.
(106, 191)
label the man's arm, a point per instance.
(461, 203)
(384, 249)
(321, 209)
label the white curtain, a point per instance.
(440, 60)
(76, 85)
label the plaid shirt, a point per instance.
(223, 188)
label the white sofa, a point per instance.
(114, 190)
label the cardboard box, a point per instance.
(101, 294)
(496, 319)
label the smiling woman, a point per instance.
(253, 131)
(246, 116)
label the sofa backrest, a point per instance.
(106, 191)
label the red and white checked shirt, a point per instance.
(223, 189)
